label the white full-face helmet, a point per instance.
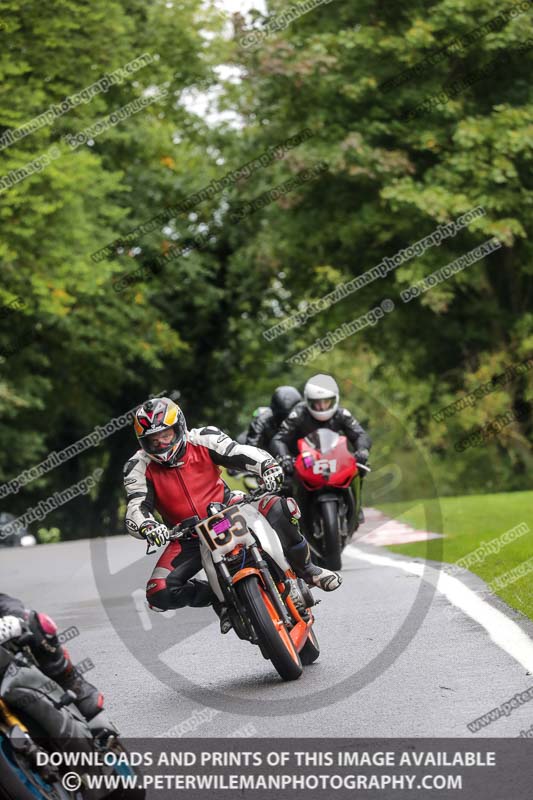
(321, 395)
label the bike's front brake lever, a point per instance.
(181, 533)
(256, 494)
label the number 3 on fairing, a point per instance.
(219, 530)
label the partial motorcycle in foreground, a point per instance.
(247, 570)
(38, 717)
(324, 472)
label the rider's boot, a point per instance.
(223, 614)
(299, 557)
(360, 516)
(55, 662)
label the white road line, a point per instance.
(504, 632)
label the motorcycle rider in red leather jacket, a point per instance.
(176, 472)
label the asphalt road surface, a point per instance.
(399, 658)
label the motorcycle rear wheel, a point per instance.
(270, 630)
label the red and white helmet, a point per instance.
(161, 430)
(321, 395)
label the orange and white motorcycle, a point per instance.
(246, 568)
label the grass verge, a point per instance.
(467, 523)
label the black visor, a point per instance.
(322, 403)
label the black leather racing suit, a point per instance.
(54, 661)
(262, 429)
(300, 423)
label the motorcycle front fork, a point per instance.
(232, 598)
(344, 516)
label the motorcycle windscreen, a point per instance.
(323, 439)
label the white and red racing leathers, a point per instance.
(183, 490)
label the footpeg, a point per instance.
(299, 598)
(307, 594)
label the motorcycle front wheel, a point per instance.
(270, 629)
(332, 540)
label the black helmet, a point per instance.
(283, 399)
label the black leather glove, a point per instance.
(361, 456)
(287, 464)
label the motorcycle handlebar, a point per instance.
(254, 495)
(359, 465)
(179, 530)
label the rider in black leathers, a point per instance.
(266, 424)
(54, 661)
(319, 409)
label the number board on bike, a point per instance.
(220, 529)
(325, 465)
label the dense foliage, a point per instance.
(79, 348)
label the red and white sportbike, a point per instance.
(246, 568)
(325, 470)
